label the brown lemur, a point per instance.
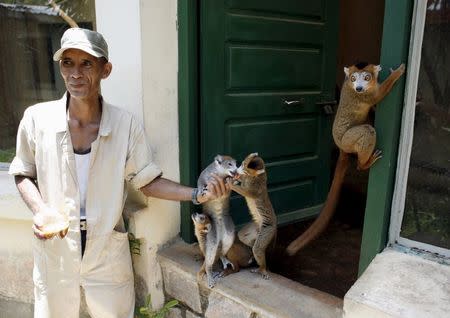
(239, 254)
(352, 134)
(219, 212)
(252, 184)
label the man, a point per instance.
(75, 156)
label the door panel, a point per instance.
(264, 66)
(247, 68)
(300, 8)
(268, 29)
(264, 135)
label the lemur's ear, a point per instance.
(258, 172)
(218, 159)
(347, 72)
(377, 70)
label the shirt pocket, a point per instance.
(120, 257)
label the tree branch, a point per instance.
(62, 14)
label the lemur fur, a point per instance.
(352, 135)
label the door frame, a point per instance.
(406, 140)
(188, 105)
(380, 188)
(395, 48)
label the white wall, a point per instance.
(16, 259)
(119, 22)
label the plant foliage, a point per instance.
(148, 312)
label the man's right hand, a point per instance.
(46, 219)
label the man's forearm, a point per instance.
(30, 193)
(168, 190)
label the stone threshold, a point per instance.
(398, 284)
(242, 294)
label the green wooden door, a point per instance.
(266, 67)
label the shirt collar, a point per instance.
(105, 121)
(61, 115)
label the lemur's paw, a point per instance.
(400, 69)
(226, 262)
(263, 273)
(211, 282)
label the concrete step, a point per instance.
(400, 283)
(243, 294)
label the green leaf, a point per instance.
(149, 301)
(143, 310)
(139, 315)
(171, 304)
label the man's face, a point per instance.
(83, 72)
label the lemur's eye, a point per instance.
(353, 78)
(367, 77)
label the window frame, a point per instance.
(406, 139)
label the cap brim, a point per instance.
(58, 54)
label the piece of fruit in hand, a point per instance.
(51, 223)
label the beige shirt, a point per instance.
(119, 155)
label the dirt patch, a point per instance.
(330, 263)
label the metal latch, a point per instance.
(327, 106)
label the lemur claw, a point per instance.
(264, 274)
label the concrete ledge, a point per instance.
(400, 285)
(243, 294)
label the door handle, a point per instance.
(294, 102)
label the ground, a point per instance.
(330, 263)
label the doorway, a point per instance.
(330, 263)
(362, 43)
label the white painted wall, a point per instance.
(119, 22)
(16, 259)
(12, 206)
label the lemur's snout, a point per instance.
(232, 173)
(359, 89)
